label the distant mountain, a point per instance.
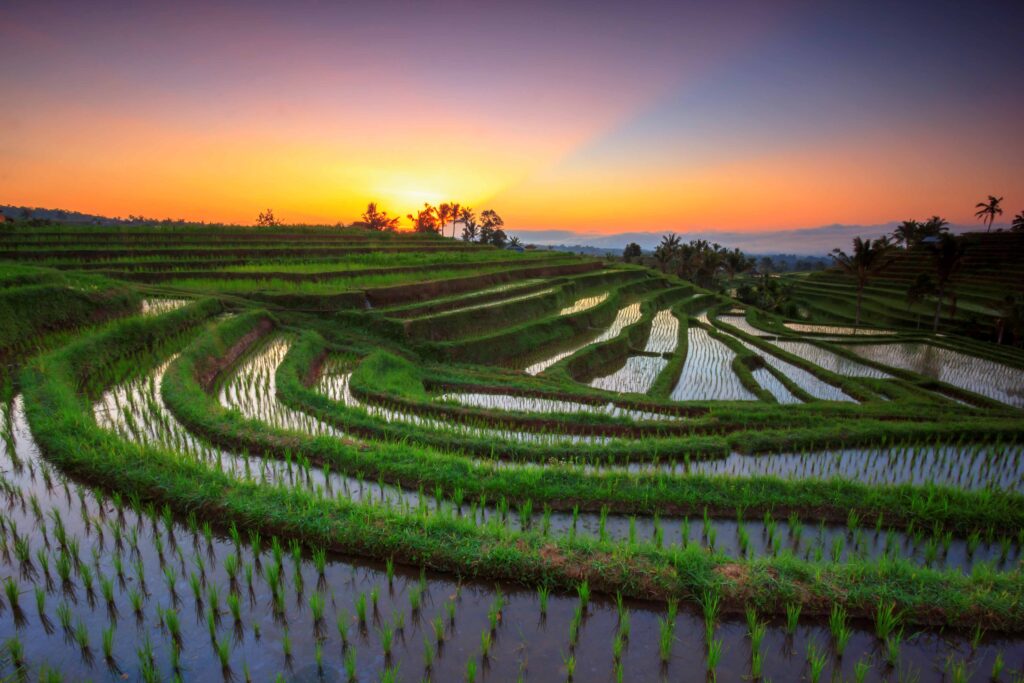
(807, 241)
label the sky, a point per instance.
(594, 117)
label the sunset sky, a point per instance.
(587, 116)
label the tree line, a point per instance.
(487, 228)
(947, 256)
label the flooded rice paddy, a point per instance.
(985, 377)
(149, 596)
(625, 316)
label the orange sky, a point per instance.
(600, 122)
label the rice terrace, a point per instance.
(619, 413)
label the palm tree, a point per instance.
(468, 219)
(515, 242)
(456, 212)
(424, 220)
(735, 263)
(379, 220)
(948, 258)
(869, 258)
(987, 211)
(444, 214)
(917, 292)
(907, 233)
(1018, 223)
(666, 250)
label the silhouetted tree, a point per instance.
(632, 251)
(491, 229)
(267, 220)
(469, 226)
(948, 257)
(515, 242)
(736, 263)
(1011, 318)
(933, 227)
(1018, 223)
(456, 210)
(907, 233)
(444, 214)
(869, 258)
(425, 220)
(666, 250)
(491, 219)
(987, 211)
(921, 288)
(379, 220)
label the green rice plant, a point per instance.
(438, 625)
(816, 661)
(316, 607)
(666, 636)
(542, 595)
(64, 615)
(415, 597)
(387, 637)
(840, 629)
(486, 641)
(211, 625)
(320, 561)
(16, 651)
(450, 609)
(617, 646)
(389, 569)
(757, 633)
(886, 619)
(714, 655)
(428, 653)
(997, 666)
(235, 607)
(107, 589)
(569, 661)
(470, 670)
(173, 624)
(710, 602)
(224, 653)
(12, 592)
(350, 664)
(361, 609)
(108, 643)
(82, 636)
(624, 626)
(861, 670)
(957, 669)
(41, 602)
(341, 625)
(286, 644)
(792, 617)
(892, 647)
(583, 590)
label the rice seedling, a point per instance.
(792, 617)
(713, 656)
(542, 596)
(886, 620)
(840, 629)
(350, 664)
(816, 662)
